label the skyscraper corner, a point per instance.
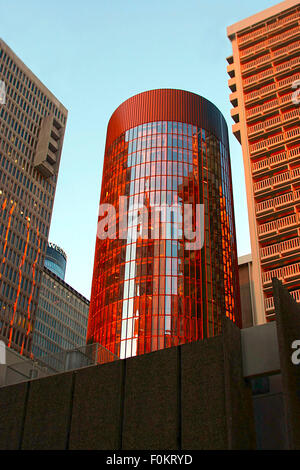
(32, 125)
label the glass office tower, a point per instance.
(165, 148)
(56, 260)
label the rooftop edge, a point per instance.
(261, 16)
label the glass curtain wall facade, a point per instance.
(56, 260)
(148, 293)
(61, 320)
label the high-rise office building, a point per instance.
(62, 313)
(165, 148)
(61, 320)
(32, 125)
(264, 76)
(56, 260)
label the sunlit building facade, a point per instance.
(164, 148)
(32, 125)
(264, 72)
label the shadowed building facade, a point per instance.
(62, 314)
(32, 125)
(164, 148)
(61, 320)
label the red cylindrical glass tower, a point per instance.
(164, 148)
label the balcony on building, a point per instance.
(231, 70)
(233, 98)
(232, 84)
(55, 133)
(236, 130)
(261, 167)
(51, 157)
(251, 52)
(269, 301)
(275, 229)
(280, 251)
(264, 208)
(287, 275)
(255, 96)
(235, 114)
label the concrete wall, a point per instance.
(260, 350)
(187, 397)
(261, 365)
(269, 415)
(19, 368)
(246, 288)
(288, 330)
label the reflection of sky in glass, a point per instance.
(158, 181)
(151, 294)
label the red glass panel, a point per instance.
(165, 147)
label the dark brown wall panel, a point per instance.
(12, 409)
(151, 401)
(48, 413)
(288, 330)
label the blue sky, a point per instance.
(93, 55)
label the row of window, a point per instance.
(9, 123)
(24, 85)
(58, 316)
(54, 291)
(160, 140)
(57, 331)
(160, 127)
(45, 342)
(11, 293)
(17, 338)
(61, 310)
(160, 156)
(40, 352)
(47, 184)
